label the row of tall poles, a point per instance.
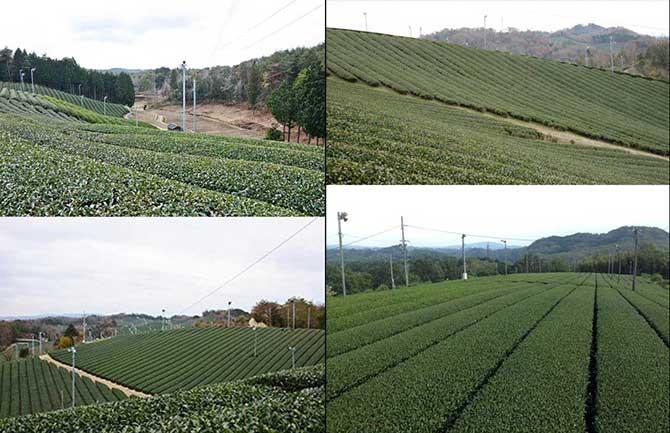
(344, 217)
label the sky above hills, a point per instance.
(112, 265)
(519, 214)
(395, 16)
(153, 33)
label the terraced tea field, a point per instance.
(33, 386)
(169, 361)
(52, 167)
(402, 110)
(288, 402)
(529, 352)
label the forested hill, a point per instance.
(633, 53)
(65, 75)
(581, 243)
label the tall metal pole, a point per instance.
(255, 344)
(618, 257)
(637, 239)
(32, 79)
(104, 105)
(404, 249)
(22, 74)
(484, 31)
(505, 242)
(74, 351)
(293, 314)
(611, 54)
(183, 96)
(365, 14)
(84, 326)
(292, 350)
(342, 216)
(163, 321)
(229, 302)
(194, 97)
(392, 279)
(465, 267)
(309, 317)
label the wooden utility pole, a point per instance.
(637, 239)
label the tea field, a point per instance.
(33, 385)
(403, 110)
(168, 361)
(289, 402)
(553, 353)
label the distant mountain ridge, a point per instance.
(633, 52)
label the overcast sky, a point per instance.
(154, 33)
(395, 17)
(112, 265)
(503, 212)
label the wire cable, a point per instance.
(248, 267)
(370, 236)
(471, 234)
(284, 27)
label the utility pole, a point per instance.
(292, 350)
(392, 279)
(81, 96)
(309, 317)
(40, 337)
(404, 249)
(484, 31)
(183, 96)
(611, 54)
(465, 269)
(104, 105)
(505, 242)
(587, 55)
(365, 15)
(229, 302)
(487, 251)
(637, 239)
(342, 216)
(73, 351)
(526, 256)
(618, 257)
(255, 341)
(84, 326)
(32, 79)
(194, 97)
(293, 314)
(163, 321)
(420, 32)
(410, 31)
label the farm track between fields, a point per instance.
(415, 353)
(563, 137)
(112, 385)
(590, 405)
(453, 418)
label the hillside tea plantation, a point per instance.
(551, 353)
(169, 361)
(64, 160)
(403, 110)
(287, 402)
(33, 385)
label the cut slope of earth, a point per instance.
(623, 109)
(183, 359)
(528, 352)
(288, 402)
(376, 136)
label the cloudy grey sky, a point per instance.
(395, 17)
(524, 212)
(154, 33)
(110, 265)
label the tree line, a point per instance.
(374, 273)
(66, 75)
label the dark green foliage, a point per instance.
(33, 386)
(253, 86)
(293, 403)
(274, 134)
(66, 75)
(154, 362)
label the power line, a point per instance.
(285, 26)
(371, 236)
(471, 234)
(255, 26)
(248, 267)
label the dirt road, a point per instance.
(127, 391)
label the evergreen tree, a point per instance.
(253, 86)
